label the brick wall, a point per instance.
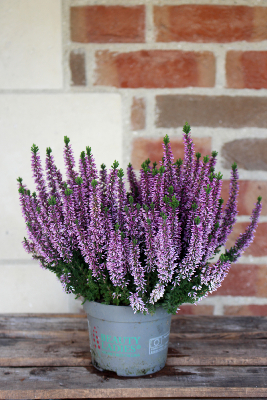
(118, 75)
(204, 62)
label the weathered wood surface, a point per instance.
(47, 356)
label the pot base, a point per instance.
(128, 373)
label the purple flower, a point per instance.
(140, 247)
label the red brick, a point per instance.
(249, 154)
(155, 69)
(251, 309)
(189, 309)
(138, 114)
(210, 23)
(144, 148)
(249, 191)
(246, 69)
(214, 111)
(244, 280)
(107, 24)
(259, 246)
(77, 68)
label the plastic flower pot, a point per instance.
(127, 343)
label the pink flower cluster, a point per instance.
(170, 223)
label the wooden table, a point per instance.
(47, 357)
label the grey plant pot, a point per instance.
(127, 343)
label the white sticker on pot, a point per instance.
(159, 343)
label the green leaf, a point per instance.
(115, 165)
(66, 140)
(120, 173)
(186, 128)
(94, 183)
(179, 162)
(79, 180)
(166, 140)
(197, 220)
(234, 166)
(34, 148)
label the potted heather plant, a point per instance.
(134, 256)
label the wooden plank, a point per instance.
(42, 324)
(175, 361)
(45, 352)
(44, 315)
(118, 393)
(208, 324)
(53, 335)
(169, 382)
(180, 324)
(82, 334)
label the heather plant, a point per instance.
(150, 246)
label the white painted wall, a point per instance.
(35, 108)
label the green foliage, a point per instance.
(207, 189)
(103, 166)
(186, 128)
(174, 203)
(166, 140)
(79, 180)
(115, 165)
(66, 140)
(161, 170)
(94, 183)
(214, 154)
(182, 293)
(194, 206)
(48, 151)
(219, 176)
(52, 201)
(68, 192)
(179, 162)
(197, 220)
(120, 173)
(198, 155)
(21, 190)
(206, 159)
(234, 166)
(82, 156)
(34, 148)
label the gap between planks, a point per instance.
(171, 361)
(81, 334)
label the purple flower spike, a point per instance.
(117, 257)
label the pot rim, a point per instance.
(121, 313)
